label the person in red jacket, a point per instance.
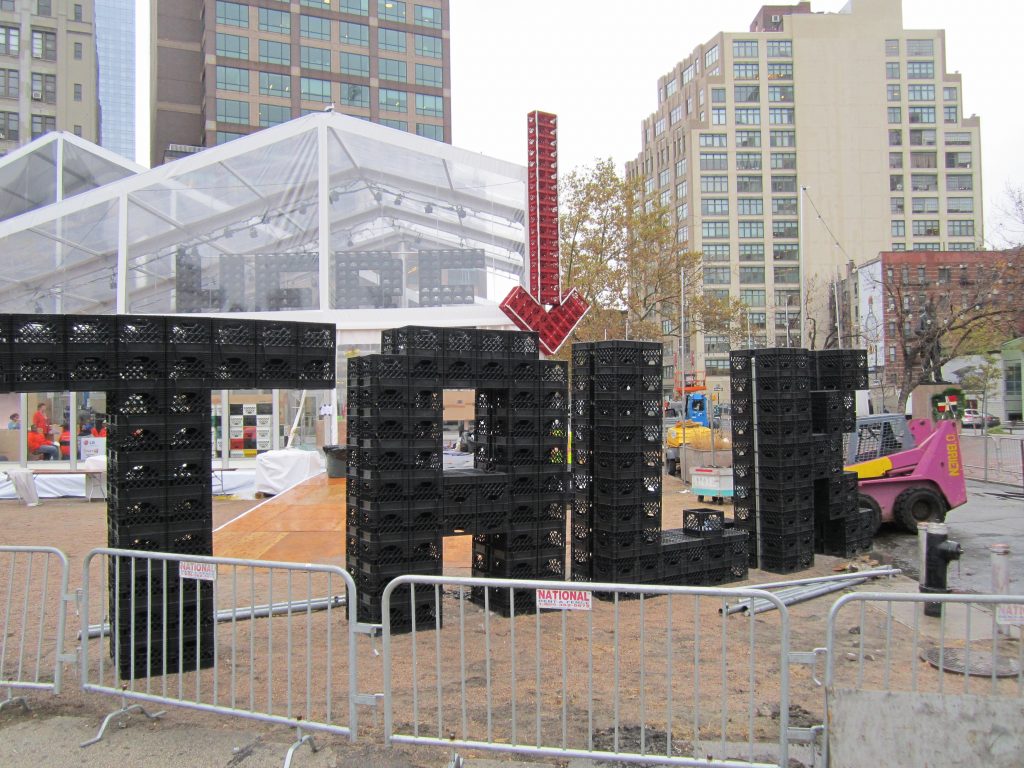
(100, 430)
(40, 419)
(37, 443)
(65, 441)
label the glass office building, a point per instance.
(115, 54)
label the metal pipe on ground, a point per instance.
(786, 588)
(808, 594)
(252, 612)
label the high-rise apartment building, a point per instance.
(47, 70)
(225, 69)
(811, 141)
(115, 54)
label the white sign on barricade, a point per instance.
(202, 571)
(564, 599)
(1010, 613)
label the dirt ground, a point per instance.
(568, 678)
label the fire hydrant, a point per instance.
(940, 552)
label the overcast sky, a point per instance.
(595, 63)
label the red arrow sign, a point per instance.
(553, 325)
(526, 308)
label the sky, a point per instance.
(596, 63)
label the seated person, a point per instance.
(100, 429)
(37, 443)
(65, 441)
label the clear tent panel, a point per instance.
(29, 182)
(83, 170)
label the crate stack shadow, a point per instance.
(158, 372)
(791, 408)
(401, 502)
(617, 534)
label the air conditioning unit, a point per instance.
(776, 19)
(37, 95)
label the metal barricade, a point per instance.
(664, 678)
(991, 458)
(33, 622)
(166, 645)
(920, 680)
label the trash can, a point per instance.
(337, 458)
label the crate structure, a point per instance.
(400, 502)
(791, 409)
(158, 372)
(616, 527)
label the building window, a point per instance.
(675, 115)
(892, 70)
(317, 28)
(959, 205)
(782, 138)
(748, 116)
(749, 185)
(920, 48)
(232, 111)
(745, 71)
(390, 100)
(713, 140)
(895, 137)
(683, 234)
(425, 16)
(784, 206)
(716, 252)
(717, 275)
(895, 115)
(714, 161)
(780, 70)
(392, 10)
(682, 212)
(715, 230)
(232, 14)
(78, 51)
(748, 139)
(960, 228)
(688, 73)
(748, 161)
(921, 114)
(746, 93)
(923, 246)
(893, 92)
(920, 70)
(779, 49)
(223, 137)
(649, 186)
(751, 252)
(958, 159)
(273, 114)
(921, 92)
(751, 275)
(272, 84)
(714, 183)
(780, 93)
(355, 34)
(924, 182)
(785, 252)
(785, 229)
(898, 228)
(427, 74)
(959, 182)
(232, 46)
(781, 116)
(77, 92)
(9, 83)
(718, 116)
(44, 45)
(958, 138)
(353, 95)
(314, 58)
(744, 49)
(42, 124)
(926, 228)
(356, 7)
(664, 177)
(326, 4)
(392, 69)
(232, 79)
(896, 182)
(431, 106)
(313, 89)
(924, 205)
(783, 183)
(279, 22)
(892, 47)
(750, 230)
(659, 126)
(754, 297)
(714, 206)
(430, 131)
(44, 8)
(273, 52)
(9, 128)
(428, 46)
(923, 160)
(391, 40)
(949, 93)
(355, 64)
(783, 161)
(44, 88)
(77, 13)
(950, 114)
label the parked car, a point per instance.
(974, 418)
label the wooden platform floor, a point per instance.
(307, 525)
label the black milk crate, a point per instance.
(740, 386)
(37, 372)
(740, 363)
(493, 344)
(276, 371)
(386, 370)
(90, 333)
(582, 509)
(783, 361)
(381, 516)
(412, 339)
(37, 334)
(276, 337)
(780, 477)
(235, 336)
(523, 345)
(191, 505)
(190, 369)
(499, 600)
(233, 369)
(784, 384)
(460, 343)
(552, 402)
(632, 464)
(189, 335)
(424, 402)
(492, 373)
(91, 370)
(312, 336)
(553, 427)
(523, 374)
(704, 522)
(736, 543)
(316, 370)
(796, 496)
(771, 562)
(611, 570)
(781, 427)
(782, 406)
(553, 374)
(786, 521)
(783, 451)
(385, 401)
(140, 334)
(616, 490)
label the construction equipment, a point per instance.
(685, 421)
(909, 472)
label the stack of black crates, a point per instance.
(616, 531)
(401, 502)
(791, 408)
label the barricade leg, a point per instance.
(12, 700)
(118, 713)
(302, 739)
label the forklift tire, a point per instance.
(865, 502)
(670, 466)
(919, 505)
